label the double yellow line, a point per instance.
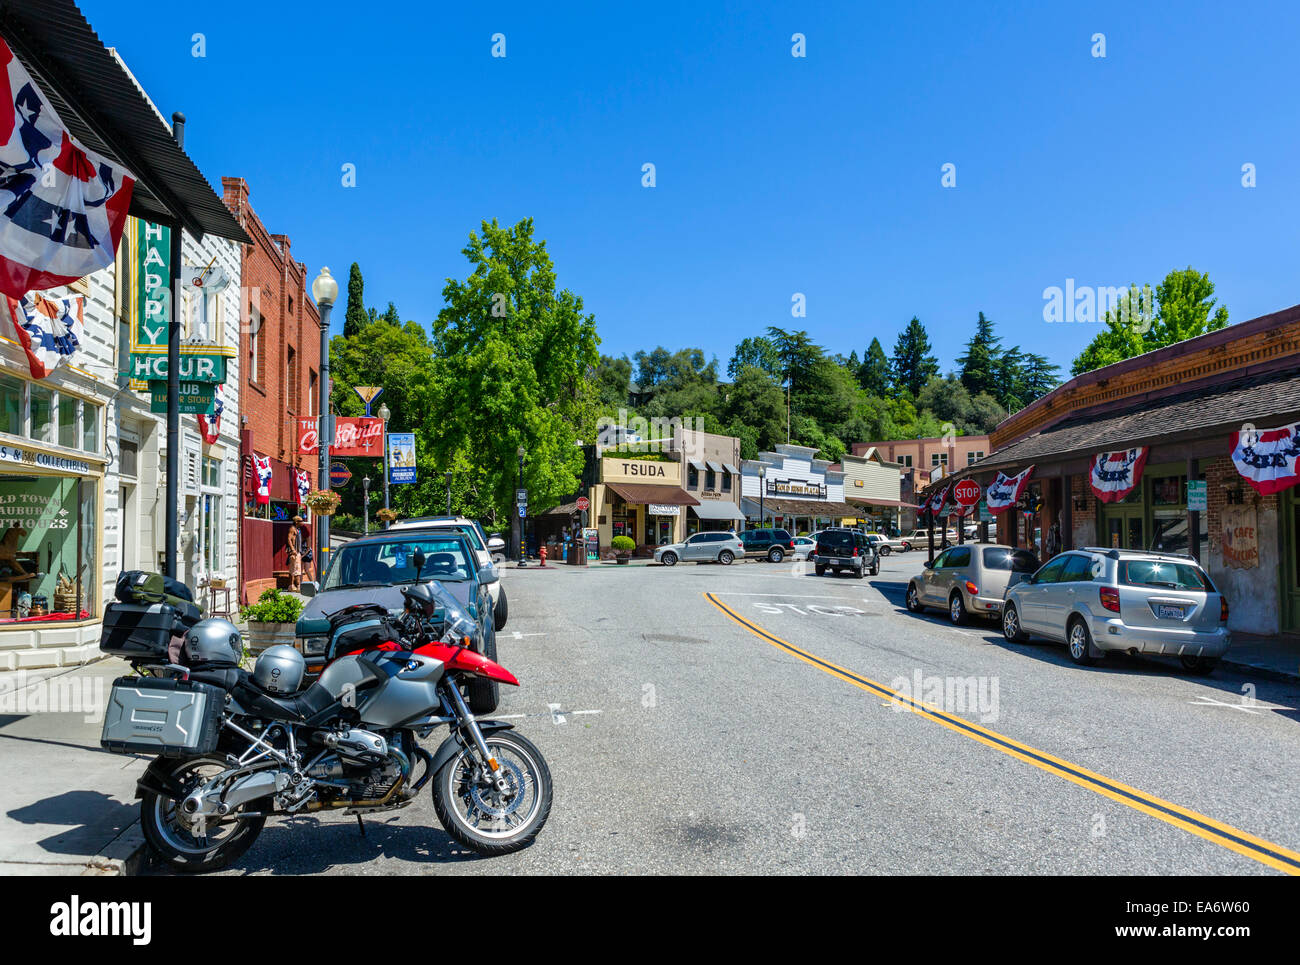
(1224, 835)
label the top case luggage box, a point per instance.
(137, 631)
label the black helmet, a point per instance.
(422, 598)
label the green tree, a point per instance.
(354, 316)
(758, 352)
(514, 357)
(756, 401)
(978, 365)
(873, 373)
(913, 362)
(1181, 307)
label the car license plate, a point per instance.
(1165, 612)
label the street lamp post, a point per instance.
(520, 452)
(762, 485)
(448, 475)
(365, 504)
(385, 414)
(324, 289)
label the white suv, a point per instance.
(1097, 600)
(483, 549)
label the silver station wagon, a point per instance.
(717, 547)
(969, 579)
(1098, 600)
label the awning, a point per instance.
(697, 465)
(777, 506)
(644, 493)
(715, 466)
(731, 469)
(871, 501)
(564, 509)
(717, 509)
(103, 107)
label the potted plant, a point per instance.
(622, 547)
(323, 502)
(386, 515)
(271, 620)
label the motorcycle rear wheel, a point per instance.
(176, 842)
(479, 818)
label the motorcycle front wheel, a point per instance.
(477, 814)
(182, 843)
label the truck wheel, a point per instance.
(775, 554)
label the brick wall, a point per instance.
(274, 287)
(1254, 593)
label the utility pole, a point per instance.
(171, 528)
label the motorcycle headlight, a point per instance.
(313, 646)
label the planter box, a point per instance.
(260, 636)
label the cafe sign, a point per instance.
(1240, 537)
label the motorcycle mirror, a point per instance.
(418, 560)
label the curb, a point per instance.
(1255, 670)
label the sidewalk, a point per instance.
(1275, 658)
(66, 807)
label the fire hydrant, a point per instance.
(542, 556)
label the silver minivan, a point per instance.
(1097, 600)
(970, 579)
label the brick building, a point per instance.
(918, 458)
(1183, 409)
(279, 347)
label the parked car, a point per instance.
(969, 579)
(889, 544)
(376, 568)
(1097, 600)
(803, 547)
(720, 547)
(919, 538)
(772, 544)
(483, 548)
(845, 549)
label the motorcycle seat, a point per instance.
(296, 708)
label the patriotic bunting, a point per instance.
(1003, 492)
(939, 499)
(62, 208)
(262, 465)
(1268, 459)
(49, 329)
(1113, 475)
(210, 425)
(303, 482)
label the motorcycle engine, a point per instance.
(356, 745)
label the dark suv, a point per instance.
(775, 544)
(845, 549)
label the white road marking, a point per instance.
(1248, 708)
(519, 636)
(788, 596)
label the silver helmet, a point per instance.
(214, 641)
(279, 670)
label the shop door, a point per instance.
(1290, 505)
(1122, 528)
(665, 530)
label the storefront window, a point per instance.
(211, 472)
(48, 561)
(68, 421)
(1168, 491)
(90, 427)
(11, 405)
(42, 416)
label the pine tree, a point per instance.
(873, 373)
(355, 317)
(979, 365)
(913, 363)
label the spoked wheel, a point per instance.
(490, 817)
(1079, 643)
(1011, 628)
(185, 843)
(913, 599)
(885, 551)
(669, 559)
(725, 557)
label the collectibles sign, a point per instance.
(1240, 537)
(1268, 459)
(353, 436)
(1005, 490)
(1113, 475)
(401, 457)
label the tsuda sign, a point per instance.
(353, 436)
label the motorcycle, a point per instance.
(235, 748)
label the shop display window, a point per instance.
(47, 548)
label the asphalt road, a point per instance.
(743, 719)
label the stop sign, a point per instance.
(967, 492)
(584, 503)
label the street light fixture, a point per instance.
(365, 503)
(385, 414)
(324, 290)
(762, 485)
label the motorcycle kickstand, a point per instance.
(361, 826)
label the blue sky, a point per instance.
(775, 174)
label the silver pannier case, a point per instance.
(155, 715)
